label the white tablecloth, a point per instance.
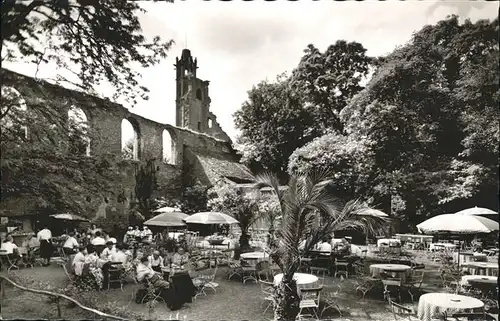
(304, 280)
(442, 246)
(388, 242)
(434, 304)
(466, 278)
(482, 268)
(469, 257)
(395, 270)
(259, 256)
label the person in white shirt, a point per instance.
(45, 239)
(112, 240)
(325, 247)
(108, 251)
(155, 261)
(98, 240)
(180, 257)
(137, 234)
(70, 245)
(119, 255)
(147, 235)
(129, 236)
(8, 245)
(79, 261)
(99, 243)
(145, 273)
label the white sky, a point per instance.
(239, 44)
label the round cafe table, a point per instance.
(395, 270)
(466, 278)
(433, 305)
(442, 246)
(258, 256)
(482, 268)
(486, 285)
(304, 280)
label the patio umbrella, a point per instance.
(171, 219)
(69, 217)
(479, 211)
(459, 224)
(373, 212)
(167, 209)
(210, 218)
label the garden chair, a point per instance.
(342, 268)
(116, 274)
(330, 300)
(364, 282)
(401, 312)
(320, 272)
(309, 300)
(414, 282)
(249, 271)
(267, 289)
(234, 269)
(305, 264)
(392, 283)
(8, 260)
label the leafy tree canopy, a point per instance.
(94, 40)
(273, 124)
(426, 125)
(329, 79)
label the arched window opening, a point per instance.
(168, 146)
(130, 139)
(13, 111)
(198, 94)
(79, 140)
(209, 123)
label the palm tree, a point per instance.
(307, 209)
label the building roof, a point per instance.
(217, 168)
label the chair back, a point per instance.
(266, 287)
(310, 293)
(399, 310)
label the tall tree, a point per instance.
(308, 209)
(273, 124)
(330, 79)
(94, 40)
(145, 186)
(225, 198)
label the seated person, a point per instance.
(145, 273)
(155, 261)
(79, 261)
(129, 236)
(180, 257)
(108, 251)
(147, 235)
(98, 242)
(324, 246)
(344, 246)
(9, 246)
(119, 255)
(71, 244)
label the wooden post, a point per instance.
(58, 302)
(2, 291)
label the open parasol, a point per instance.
(69, 217)
(459, 224)
(210, 218)
(169, 219)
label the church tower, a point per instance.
(192, 101)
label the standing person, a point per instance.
(129, 236)
(71, 244)
(45, 239)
